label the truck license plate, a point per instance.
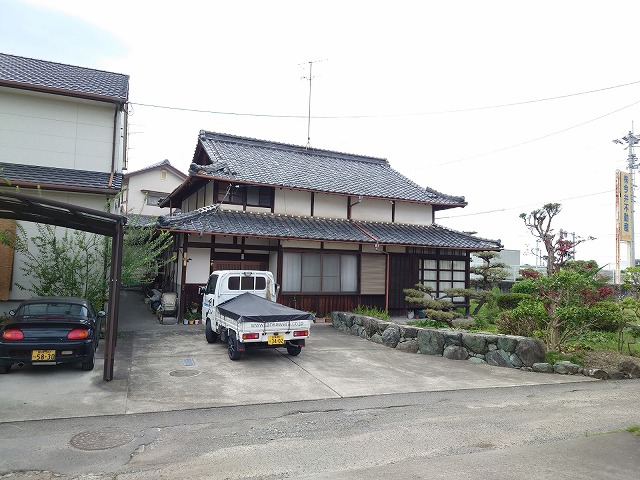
(43, 355)
(275, 339)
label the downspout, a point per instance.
(113, 148)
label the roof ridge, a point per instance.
(290, 147)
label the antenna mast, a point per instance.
(310, 77)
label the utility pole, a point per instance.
(631, 140)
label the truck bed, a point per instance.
(252, 308)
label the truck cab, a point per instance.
(224, 285)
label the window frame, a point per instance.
(322, 277)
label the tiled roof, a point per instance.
(282, 165)
(61, 178)
(163, 164)
(426, 235)
(23, 72)
(210, 220)
(229, 222)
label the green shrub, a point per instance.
(429, 323)
(509, 325)
(509, 301)
(607, 316)
(372, 312)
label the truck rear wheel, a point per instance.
(234, 352)
(212, 336)
(294, 350)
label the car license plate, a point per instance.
(275, 339)
(43, 355)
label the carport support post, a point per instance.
(114, 300)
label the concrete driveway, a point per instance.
(172, 367)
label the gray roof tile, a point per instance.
(230, 222)
(211, 220)
(65, 178)
(426, 236)
(277, 164)
(23, 72)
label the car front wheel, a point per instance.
(5, 368)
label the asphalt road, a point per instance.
(563, 431)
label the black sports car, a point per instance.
(49, 331)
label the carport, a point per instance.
(36, 209)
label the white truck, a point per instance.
(239, 308)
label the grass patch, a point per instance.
(635, 430)
(428, 323)
(553, 357)
(371, 312)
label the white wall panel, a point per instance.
(292, 202)
(330, 206)
(372, 210)
(413, 213)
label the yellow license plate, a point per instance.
(275, 339)
(43, 355)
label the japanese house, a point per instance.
(337, 230)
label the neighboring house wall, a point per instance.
(143, 189)
(57, 131)
(62, 136)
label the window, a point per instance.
(441, 275)
(154, 198)
(252, 195)
(246, 283)
(319, 272)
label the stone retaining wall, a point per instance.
(477, 347)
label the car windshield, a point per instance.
(53, 310)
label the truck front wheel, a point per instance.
(212, 336)
(234, 352)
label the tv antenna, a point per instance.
(310, 78)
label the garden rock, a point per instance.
(631, 369)
(455, 352)
(475, 343)
(409, 346)
(391, 336)
(530, 351)
(430, 342)
(498, 358)
(542, 367)
(566, 368)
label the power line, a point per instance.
(438, 112)
(526, 206)
(537, 138)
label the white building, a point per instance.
(63, 136)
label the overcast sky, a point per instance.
(511, 104)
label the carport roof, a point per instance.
(212, 221)
(36, 209)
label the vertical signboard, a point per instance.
(625, 194)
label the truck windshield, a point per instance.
(211, 286)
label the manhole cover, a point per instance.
(184, 373)
(102, 439)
